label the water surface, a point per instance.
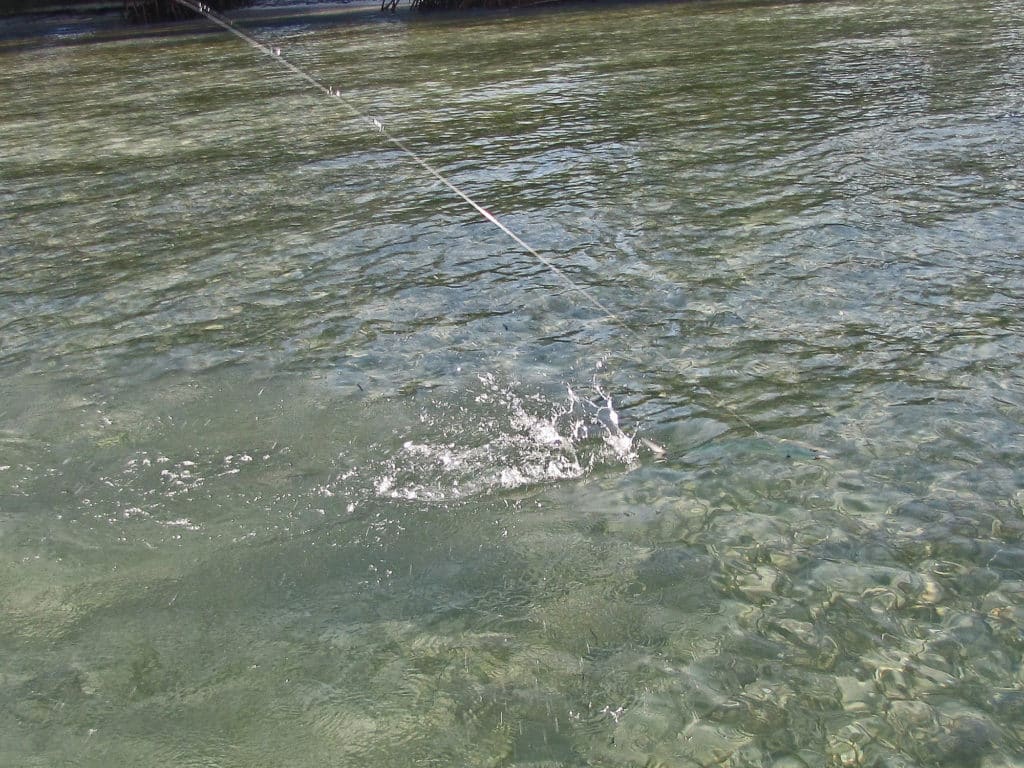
(304, 463)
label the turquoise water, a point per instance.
(304, 463)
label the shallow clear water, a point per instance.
(302, 462)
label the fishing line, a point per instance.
(378, 126)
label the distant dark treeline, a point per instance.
(10, 7)
(155, 10)
(134, 10)
(144, 11)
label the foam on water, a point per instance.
(502, 441)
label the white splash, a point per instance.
(506, 441)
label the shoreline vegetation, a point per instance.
(146, 11)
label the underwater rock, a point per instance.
(963, 743)
(845, 749)
(679, 577)
(908, 716)
(709, 744)
(788, 761)
(1008, 704)
(759, 585)
(1010, 559)
(977, 581)
(857, 695)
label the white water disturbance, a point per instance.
(504, 441)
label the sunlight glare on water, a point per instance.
(303, 462)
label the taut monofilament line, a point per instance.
(378, 126)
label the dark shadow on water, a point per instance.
(99, 22)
